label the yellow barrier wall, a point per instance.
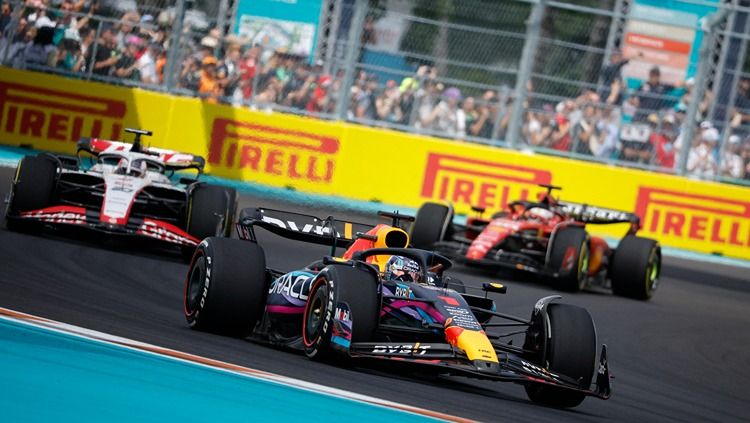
(51, 113)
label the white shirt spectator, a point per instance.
(147, 66)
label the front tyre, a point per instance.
(570, 351)
(33, 188)
(636, 266)
(342, 308)
(226, 287)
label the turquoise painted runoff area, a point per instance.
(48, 376)
(9, 156)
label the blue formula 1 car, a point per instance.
(383, 302)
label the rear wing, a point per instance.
(598, 215)
(173, 160)
(299, 227)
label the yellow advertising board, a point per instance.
(50, 113)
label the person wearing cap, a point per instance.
(447, 117)
(387, 104)
(69, 56)
(127, 65)
(731, 164)
(652, 95)
(612, 83)
(702, 158)
(209, 85)
(365, 99)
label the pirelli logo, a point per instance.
(272, 150)
(479, 182)
(33, 113)
(711, 219)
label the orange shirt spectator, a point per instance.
(209, 86)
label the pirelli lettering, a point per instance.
(30, 113)
(487, 184)
(714, 220)
(273, 150)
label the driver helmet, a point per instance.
(540, 214)
(122, 167)
(402, 269)
(138, 168)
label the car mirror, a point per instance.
(494, 287)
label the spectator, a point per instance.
(427, 97)
(585, 131)
(365, 99)
(387, 104)
(741, 111)
(482, 123)
(320, 100)
(662, 142)
(125, 28)
(651, 95)
(702, 157)
(248, 69)
(88, 37)
(127, 65)
(537, 129)
(107, 54)
(560, 136)
(613, 85)
(299, 89)
(447, 117)
(39, 17)
(732, 165)
(231, 72)
(5, 15)
(209, 85)
(745, 156)
(69, 56)
(605, 146)
(147, 64)
(190, 74)
(41, 51)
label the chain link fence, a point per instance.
(638, 83)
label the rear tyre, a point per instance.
(226, 287)
(571, 351)
(570, 258)
(342, 308)
(33, 188)
(211, 212)
(431, 225)
(636, 266)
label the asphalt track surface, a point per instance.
(684, 356)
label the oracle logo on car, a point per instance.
(716, 220)
(273, 150)
(483, 183)
(32, 112)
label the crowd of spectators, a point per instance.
(642, 126)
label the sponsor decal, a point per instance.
(29, 111)
(295, 285)
(401, 349)
(165, 232)
(67, 215)
(714, 220)
(403, 291)
(271, 150)
(462, 317)
(487, 184)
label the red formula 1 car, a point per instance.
(549, 238)
(121, 189)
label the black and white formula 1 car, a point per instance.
(383, 303)
(121, 189)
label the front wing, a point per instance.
(446, 359)
(73, 216)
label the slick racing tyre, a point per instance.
(635, 268)
(33, 188)
(226, 287)
(569, 257)
(432, 224)
(211, 211)
(342, 308)
(571, 351)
